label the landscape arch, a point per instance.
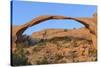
(89, 23)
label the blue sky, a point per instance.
(24, 11)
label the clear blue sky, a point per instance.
(24, 11)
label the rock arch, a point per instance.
(89, 23)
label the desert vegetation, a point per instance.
(55, 50)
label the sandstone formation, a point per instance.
(51, 33)
(89, 23)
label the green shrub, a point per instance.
(19, 58)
